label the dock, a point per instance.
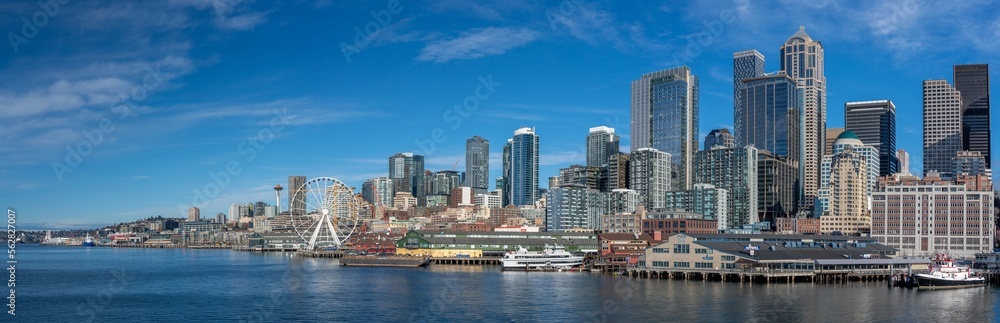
(479, 261)
(387, 261)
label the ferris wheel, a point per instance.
(324, 213)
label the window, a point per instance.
(682, 248)
(729, 258)
(703, 251)
(682, 264)
(703, 265)
(661, 250)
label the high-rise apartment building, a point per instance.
(574, 207)
(296, 195)
(802, 60)
(622, 201)
(874, 122)
(746, 65)
(844, 188)
(970, 163)
(734, 170)
(650, 176)
(706, 200)
(477, 164)
(973, 82)
(665, 117)
(594, 177)
(522, 179)
(602, 142)
(378, 191)
(942, 126)
(407, 173)
(618, 171)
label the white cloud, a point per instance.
(477, 43)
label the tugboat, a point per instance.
(945, 274)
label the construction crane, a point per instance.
(455, 165)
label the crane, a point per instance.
(455, 165)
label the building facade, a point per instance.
(904, 161)
(973, 82)
(574, 207)
(922, 217)
(734, 170)
(296, 195)
(874, 122)
(623, 200)
(942, 126)
(720, 137)
(618, 171)
(378, 191)
(522, 179)
(477, 164)
(602, 142)
(747, 64)
(769, 116)
(844, 192)
(970, 163)
(665, 117)
(407, 173)
(705, 200)
(649, 175)
(802, 60)
(778, 186)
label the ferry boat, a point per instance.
(945, 274)
(551, 259)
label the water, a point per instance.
(118, 284)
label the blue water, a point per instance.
(129, 285)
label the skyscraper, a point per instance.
(769, 115)
(618, 171)
(746, 65)
(503, 183)
(778, 183)
(407, 173)
(802, 60)
(601, 144)
(973, 81)
(665, 117)
(296, 205)
(523, 154)
(874, 122)
(831, 136)
(574, 207)
(649, 175)
(720, 137)
(378, 190)
(477, 164)
(904, 161)
(942, 126)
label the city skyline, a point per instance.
(203, 109)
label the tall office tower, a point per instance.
(296, 205)
(665, 117)
(194, 214)
(831, 136)
(769, 115)
(523, 151)
(407, 173)
(777, 183)
(802, 60)
(904, 161)
(875, 124)
(720, 137)
(734, 170)
(574, 207)
(258, 208)
(601, 144)
(747, 64)
(942, 126)
(477, 164)
(649, 174)
(503, 183)
(973, 82)
(962, 221)
(618, 171)
(378, 191)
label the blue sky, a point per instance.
(160, 98)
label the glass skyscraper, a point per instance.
(769, 115)
(973, 81)
(746, 65)
(522, 173)
(874, 122)
(665, 117)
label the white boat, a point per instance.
(552, 258)
(944, 274)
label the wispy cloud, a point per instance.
(562, 157)
(599, 27)
(477, 43)
(141, 177)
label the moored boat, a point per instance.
(945, 274)
(553, 258)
